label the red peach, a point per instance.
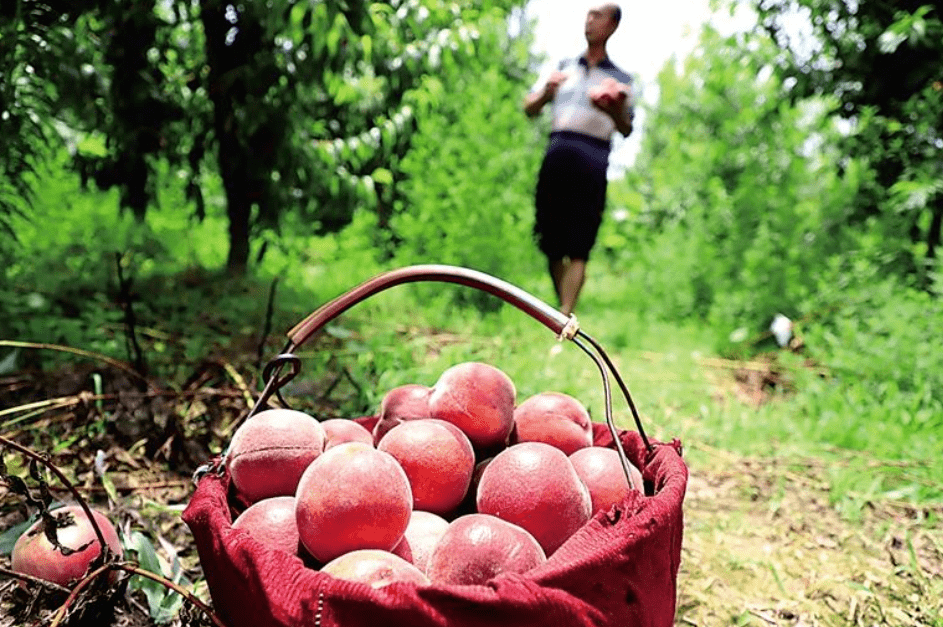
(477, 547)
(478, 399)
(534, 485)
(437, 458)
(554, 418)
(272, 522)
(34, 554)
(601, 470)
(405, 402)
(269, 452)
(352, 497)
(340, 430)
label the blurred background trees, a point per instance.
(295, 106)
(787, 168)
(879, 62)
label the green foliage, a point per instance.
(880, 61)
(737, 200)
(23, 106)
(879, 337)
(468, 177)
(734, 212)
(163, 603)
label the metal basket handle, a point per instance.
(565, 327)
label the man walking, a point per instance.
(591, 99)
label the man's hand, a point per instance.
(535, 101)
(553, 84)
(610, 97)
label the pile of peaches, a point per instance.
(455, 483)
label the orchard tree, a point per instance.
(467, 181)
(881, 63)
(739, 206)
(301, 106)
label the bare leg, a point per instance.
(568, 276)
(571, 283)
(557, 270)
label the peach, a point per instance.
(478, 399)
(272, 522)
(423, 533)
(606, 93)
(601, 470)
(34, 554)
(271, 450)
(477, 547)
(352, 497)
(437, 458)
(534, 486)
(555, 418)
(405, 402)
(374, 567)
(340, 430)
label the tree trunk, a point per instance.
(232, 42)
(936, 223)
(239, 210)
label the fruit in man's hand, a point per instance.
(477, 547)
(606, 93)
(478, 399)
(553, 418)
(340, 430)
(404, 402)
(272, 522)
(375, 568)
(438, 460)
(33, 554)
(352, 497)
(601, 470)
(271, 450)
(534, 485)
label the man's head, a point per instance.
(601, 22)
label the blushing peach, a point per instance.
(423, 533)
(478, 399)
(352, 497)
(271, 450)
(375, 568)
(477, 547)
(554, 418)
(534, 485)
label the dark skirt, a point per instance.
(571, 195)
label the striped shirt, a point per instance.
(572, 109)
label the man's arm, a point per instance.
(534, 102)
